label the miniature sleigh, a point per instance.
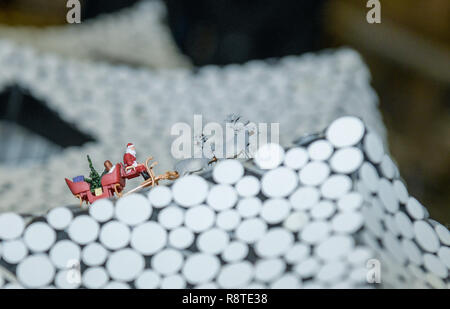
(113, 183)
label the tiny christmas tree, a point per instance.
(95, 179)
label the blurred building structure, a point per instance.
(407, 54)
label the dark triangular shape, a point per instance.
(29, 120)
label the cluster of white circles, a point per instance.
(308, 217)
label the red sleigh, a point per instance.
(114, 183)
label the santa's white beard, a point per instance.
(133, 152)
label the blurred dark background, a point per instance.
(408, 56)
(235, 31)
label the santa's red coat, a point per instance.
(129, 159)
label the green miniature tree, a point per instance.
(95, 180)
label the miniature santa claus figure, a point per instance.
(129, 159)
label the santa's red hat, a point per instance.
(129, 145)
